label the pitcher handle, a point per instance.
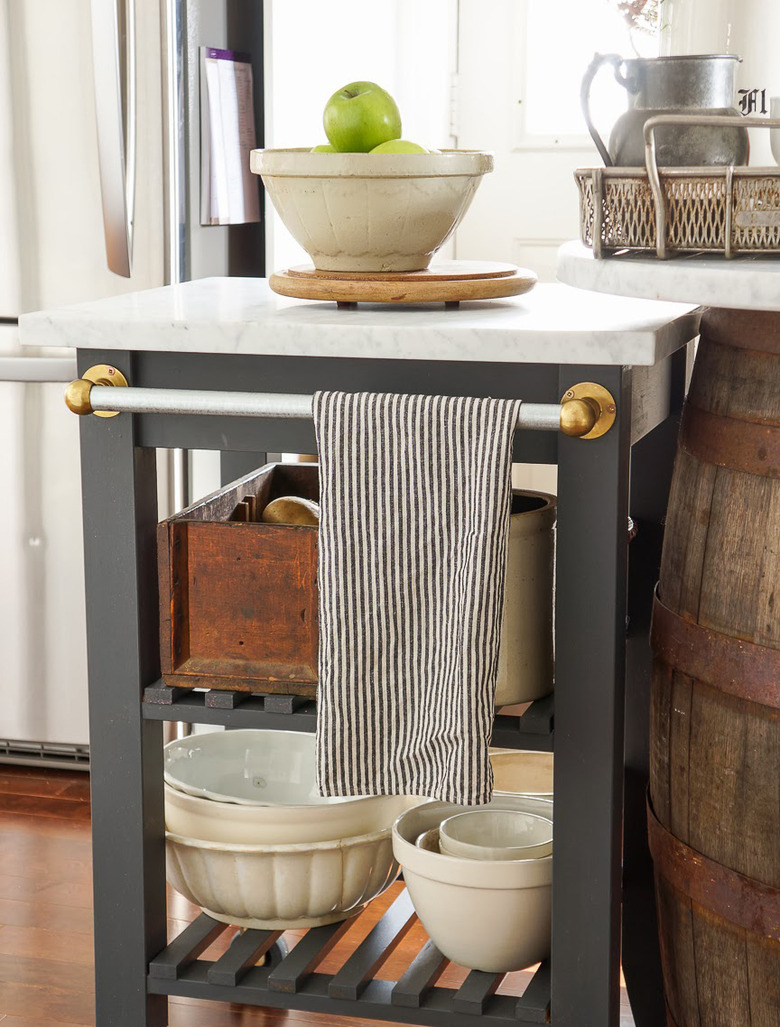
(598, 60)
(654, 175)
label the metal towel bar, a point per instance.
(587, 410)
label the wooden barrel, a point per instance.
(714, 810)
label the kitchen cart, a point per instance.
(214, 336)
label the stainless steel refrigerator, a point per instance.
(100, 193)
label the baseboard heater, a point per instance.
(44, 754)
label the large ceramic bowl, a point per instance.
(494, 917)
(276, 887)
(229, 822)
(252, 766)
(371, 212)
(258, 787)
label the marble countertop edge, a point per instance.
(638, 346)
(743, 282)
(553, 324)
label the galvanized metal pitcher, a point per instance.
(671, 85)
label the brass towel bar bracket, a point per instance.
(587, 410)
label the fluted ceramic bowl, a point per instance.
(371, 212)
(492, 916)
(279, 887)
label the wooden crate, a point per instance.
(238, 598)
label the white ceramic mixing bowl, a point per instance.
(251, 766)
(371, 212)
(228, 822)
(494, 917)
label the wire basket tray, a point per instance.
(726, 210)
(721, 210)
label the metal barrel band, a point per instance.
(740, 900)
(730, 442)
(753, 330)
(732, 665)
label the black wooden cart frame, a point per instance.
(602, 873)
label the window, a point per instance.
(560, 38)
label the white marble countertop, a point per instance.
(550, 324)
(742, 283)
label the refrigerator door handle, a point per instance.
(37, 369)
(113, 54)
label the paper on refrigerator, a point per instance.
(230, 193)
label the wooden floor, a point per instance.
(46, 918)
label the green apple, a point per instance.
(399, 146)
(359, 117)
(323, 148)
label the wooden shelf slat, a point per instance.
(473, 995)
(361, 966)
(534, 1005)
(186, 947)
(303, 959)
(424, 971)
(245, 950)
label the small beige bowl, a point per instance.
(371, 212)
(496, 834)
(429, 840)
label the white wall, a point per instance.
(748, 28)
(315, 48)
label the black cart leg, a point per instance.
(590, 625)
(652, 460)
(120, 515)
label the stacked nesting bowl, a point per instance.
(489, 914)
(249, 840)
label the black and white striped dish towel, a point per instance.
(414, 513)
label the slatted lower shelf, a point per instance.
(532, 729)
(290, 980)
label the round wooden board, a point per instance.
(447, 282)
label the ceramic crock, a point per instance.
(525, 655)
